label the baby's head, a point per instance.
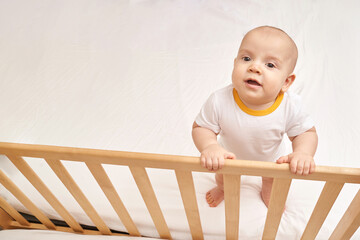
(264, 66)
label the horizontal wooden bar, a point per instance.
(243, 167)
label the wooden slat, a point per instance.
(12, 212)
(232, 205)
(79, 196)
(162, 161)
(187, 190)
(108, 188)
(34, 179)
(350, 222)
(5, 220)
(143, 183)
(9, 185)
(279, 192)
(326, 200)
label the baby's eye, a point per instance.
(270, 65)
(246, 59)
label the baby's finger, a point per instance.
(293, 166)
(300, 167)
(229, 155)
(215, 163)
(306, 168)
(283, 159)
(209, 162)
(312, 167)
(203, 161)
(221, 162)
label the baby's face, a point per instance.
(263, 66)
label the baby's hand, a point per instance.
(212, 157)
(300, 163)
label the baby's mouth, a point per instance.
(253, 82)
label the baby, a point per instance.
(252, 114)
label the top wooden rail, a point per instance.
(232, 167)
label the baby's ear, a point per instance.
(289, 80)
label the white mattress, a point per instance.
(132, 75)
(19, 234)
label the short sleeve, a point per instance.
(298, 121)
(208, 115)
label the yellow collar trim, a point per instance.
(252, 112)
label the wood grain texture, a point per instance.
(9, 185)
(79, 196)
(143, 183)
(188, 195)
(232, 205)
(35, 180)
(12, 212)
(162, 161)
(350, 222)
(108, 188)
(323, 206)
(279, 192)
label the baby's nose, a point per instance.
(254, 69)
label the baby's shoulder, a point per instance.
(223, 93)
(292, 98)
(293, 103)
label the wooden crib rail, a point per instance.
(162, 161)
(335, 178)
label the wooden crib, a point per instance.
(10, 218)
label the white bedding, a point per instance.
(19, 234)
(132, 75)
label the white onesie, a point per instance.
(250, 134)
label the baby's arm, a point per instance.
(304, 147)
(212, 154)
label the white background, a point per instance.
(132, 75)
